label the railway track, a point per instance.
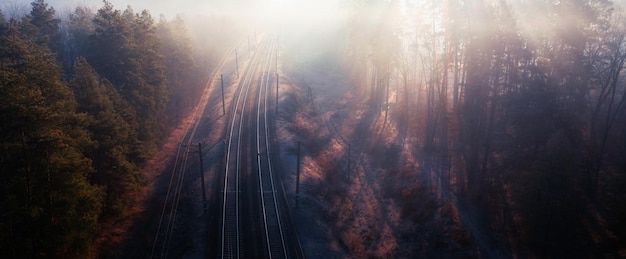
(253, 217)
(274, 232)
(252, 223)
(167, 219)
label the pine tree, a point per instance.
(180, 67)
(42, 26)
(80, 26)
(149, 95)
(110, 46)
(113, 137)
(50, 209)
(125, 49)
(3, 26)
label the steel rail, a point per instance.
(274, 234)
(227, 207)
(180, 166)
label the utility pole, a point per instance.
(237, 62)
(276, 63)
(204, 203)
(349, 162)
(223, 105)
(386, 102)
(277, 47)
(276, 94)
(249, 46)
(298, 176)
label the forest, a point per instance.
(84, 102)
(517, 108)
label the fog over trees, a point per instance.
(86, 100)
(518, 105)
(517, 109)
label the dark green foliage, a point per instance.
(70, 152)
(113, 136)
(148, 94)
(80, 26)
(42, 27)
(183, 81)
(124, 47)
(50, 208)
(2, 24)
(109, 46)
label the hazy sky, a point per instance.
(156, 7)
(188, 7)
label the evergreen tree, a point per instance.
(50, 209)
(180, 67)
(125, 49)
(42, 26)
(147, 91)
(113, 137)
(80, 26)
(110, 46)
(2, 24)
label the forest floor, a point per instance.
(363, 192)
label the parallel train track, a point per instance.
(238, 155)
(166, 226)
(253, 215)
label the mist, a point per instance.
(156, 7)
(248, 10)
(392, 128)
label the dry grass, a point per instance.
(378, 211)
(381, 208)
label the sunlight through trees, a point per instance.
(522, 101)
